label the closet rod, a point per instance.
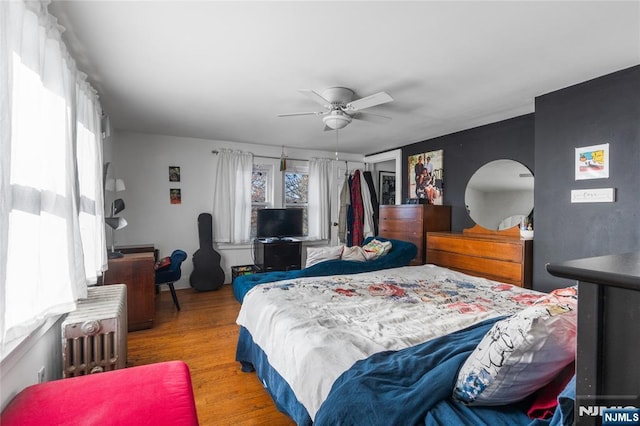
(273, 158)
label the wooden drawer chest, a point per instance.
(410, 222)
(137, 272)
(503, 257)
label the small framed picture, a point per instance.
(175, 196)
(174, 174)
(387, 188)
(592, 162)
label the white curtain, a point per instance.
(232, 197)
(43, 249)
(319, 213)
(90, 179)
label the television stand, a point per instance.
(275, 254)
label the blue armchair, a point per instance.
(171, 273)
(400, 255)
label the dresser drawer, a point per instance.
(497, 270)
(405, 226)
(498, 250)
(411, 213)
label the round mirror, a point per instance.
(500, 194)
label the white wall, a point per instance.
(143, 160)
(19, 369)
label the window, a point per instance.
(291, 192)
(261, 191)
(296, 193)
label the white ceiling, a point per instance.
(224, 70)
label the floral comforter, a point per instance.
(314, 329)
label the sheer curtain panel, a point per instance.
(48, 156)
(232, 197)
(89, 165)
(319, 198)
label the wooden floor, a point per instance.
(204, 334)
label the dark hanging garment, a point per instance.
(358, 210)
(345, 202)
(374, 200)
(350, 216)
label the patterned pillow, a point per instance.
(376, 248)
(522, 353)
(165, 262)
(320, 254)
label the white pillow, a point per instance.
(376, 248)
(355, 253)
(320, 254)
(522, 353)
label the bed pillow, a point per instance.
(376, 248)
(521, 353)
(355, 253)
(320, 254)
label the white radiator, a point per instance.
(94, 336)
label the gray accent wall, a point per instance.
(467, 151)
(603, 110)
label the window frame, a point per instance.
(301, 168)
(268, 169)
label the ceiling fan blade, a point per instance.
(291, 114)
(369, 101)
(374, 118)
(316, 97)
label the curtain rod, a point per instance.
(274, 158)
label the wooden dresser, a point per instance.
(410, 222)
(136, 271)
(497, 255)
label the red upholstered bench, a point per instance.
(155, 394)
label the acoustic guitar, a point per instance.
(207, 273)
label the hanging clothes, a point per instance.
(374, 200)
(358, 210)
(350, 215)
(345, 202)
(367, 215)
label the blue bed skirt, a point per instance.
(376, 392)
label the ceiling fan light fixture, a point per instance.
(336, 121)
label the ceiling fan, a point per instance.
(341, 109)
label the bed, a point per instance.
(410, 345)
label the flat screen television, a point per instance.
(279, 223)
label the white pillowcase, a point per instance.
(522, 353)
(355, 253)
(320, 254)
